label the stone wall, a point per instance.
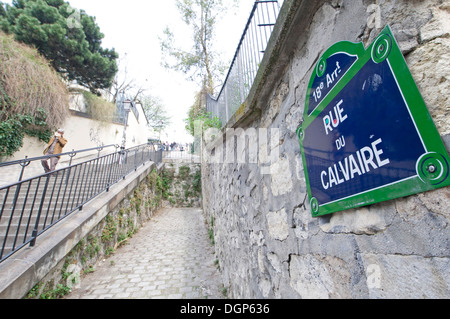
(267, 243)
(182, 182)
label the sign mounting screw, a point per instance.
(431, 168)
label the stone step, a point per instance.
(25, 210)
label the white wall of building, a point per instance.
(83, 132)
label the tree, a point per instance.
(201, 64)
(123, 84)
(2, 9)
(199, 113)
(69, 38)
(156, 114)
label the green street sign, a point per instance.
(366, 135)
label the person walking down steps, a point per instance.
(54, 147)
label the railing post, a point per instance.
(23, 164)
(112, 162)
(99, 150)
(16, 196)
(41, 205)
(71, 155)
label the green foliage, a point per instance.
(57, 293)
(69, 38)
(137, 201)
(166, 184)
(110, 229)
(2, 10)
(184, 172)
(199, 119)
(13, 130)
(211, 231)
(98, 108)
(197, 182)
(49, 291)
(4, 98)
(156, 114)
(34, 292)
(11, 137)
(203, 120)
(36, 125)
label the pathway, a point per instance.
(171, 257)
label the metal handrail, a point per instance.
(245, 63)
(25, 160)
(8, 169)
(32, 206)
(182, 156)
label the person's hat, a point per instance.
(61, 131)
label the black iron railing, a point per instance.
(182, 156)
(31, 206)
(246, 61)
(28, 167)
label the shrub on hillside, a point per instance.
(98, 108)
(33, 98)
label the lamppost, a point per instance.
(126, 107)
(161, 123)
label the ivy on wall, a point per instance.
(14, 129)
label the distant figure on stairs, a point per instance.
(55, 146)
